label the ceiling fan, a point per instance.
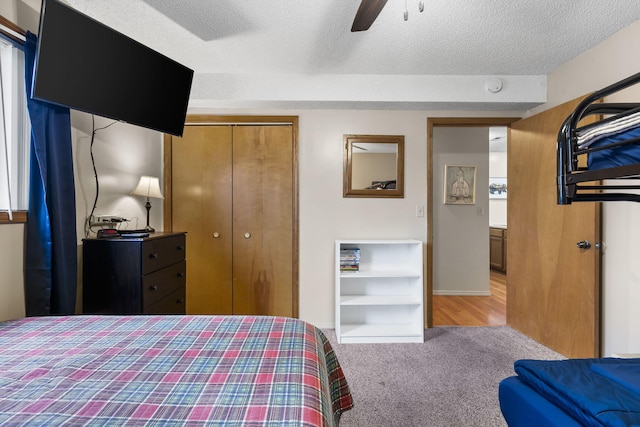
(366, 14)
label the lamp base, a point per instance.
(148, 228)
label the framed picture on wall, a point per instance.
(459, 185)
(497, 188)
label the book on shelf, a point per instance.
(350, 259)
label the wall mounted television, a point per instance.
(85, 65)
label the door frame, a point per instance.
(445, 122)
(212, 119)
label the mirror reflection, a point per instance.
(373, 166)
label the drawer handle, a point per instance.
(153, 256)
(153, 287)
(216, 235)
(180, 248)
(247, 235)
(180, 301)
(180, 274)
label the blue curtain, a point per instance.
(51, 242)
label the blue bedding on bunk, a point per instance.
(596, 392)
(616, 156)
(625, 374)
(522, 406)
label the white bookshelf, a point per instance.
(383, 301)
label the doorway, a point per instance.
(431, 182)
(473, 236)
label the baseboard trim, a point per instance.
(321, 325)
(463, 293)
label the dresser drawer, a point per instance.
(174, 303)
(159, 253)
(161, 283)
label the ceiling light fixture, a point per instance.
(406, 9)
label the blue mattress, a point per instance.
(612, 157)
(617, 156)
(592, 392)
(522, 406)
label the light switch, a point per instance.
(419, 210)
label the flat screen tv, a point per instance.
(84, 65)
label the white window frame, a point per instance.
(15, 132)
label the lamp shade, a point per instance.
(148, 186)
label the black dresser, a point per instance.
(124, 275)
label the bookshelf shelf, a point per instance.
(381, 300)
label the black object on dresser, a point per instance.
(142, 275)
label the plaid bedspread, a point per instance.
(168, 371)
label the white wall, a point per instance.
(11, 261)
(326, 216)
(461, 232)
(124, 151)
(25, 13)
(607, 63)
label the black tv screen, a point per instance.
(84, 65)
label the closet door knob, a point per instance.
(216, 235)
(247, 235)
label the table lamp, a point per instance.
(148, 186)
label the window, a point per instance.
(15, 131)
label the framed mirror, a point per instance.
(373, 166)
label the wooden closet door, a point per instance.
(553, 291)
(263, 220)
(202, 206)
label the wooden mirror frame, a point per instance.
(349, 141)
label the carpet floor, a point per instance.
(449, 380)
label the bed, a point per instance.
(168, 370)
(600, 161)
(572, 392)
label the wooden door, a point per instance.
(553, 286)
(263, 206)
(223, 181)
(201, 196)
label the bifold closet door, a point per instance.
(263, 220)
(232, 192)
(202, 206)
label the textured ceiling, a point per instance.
(451, 37)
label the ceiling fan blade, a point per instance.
(367, 13)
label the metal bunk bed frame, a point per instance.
(579, 184)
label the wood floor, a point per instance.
(471, 310)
